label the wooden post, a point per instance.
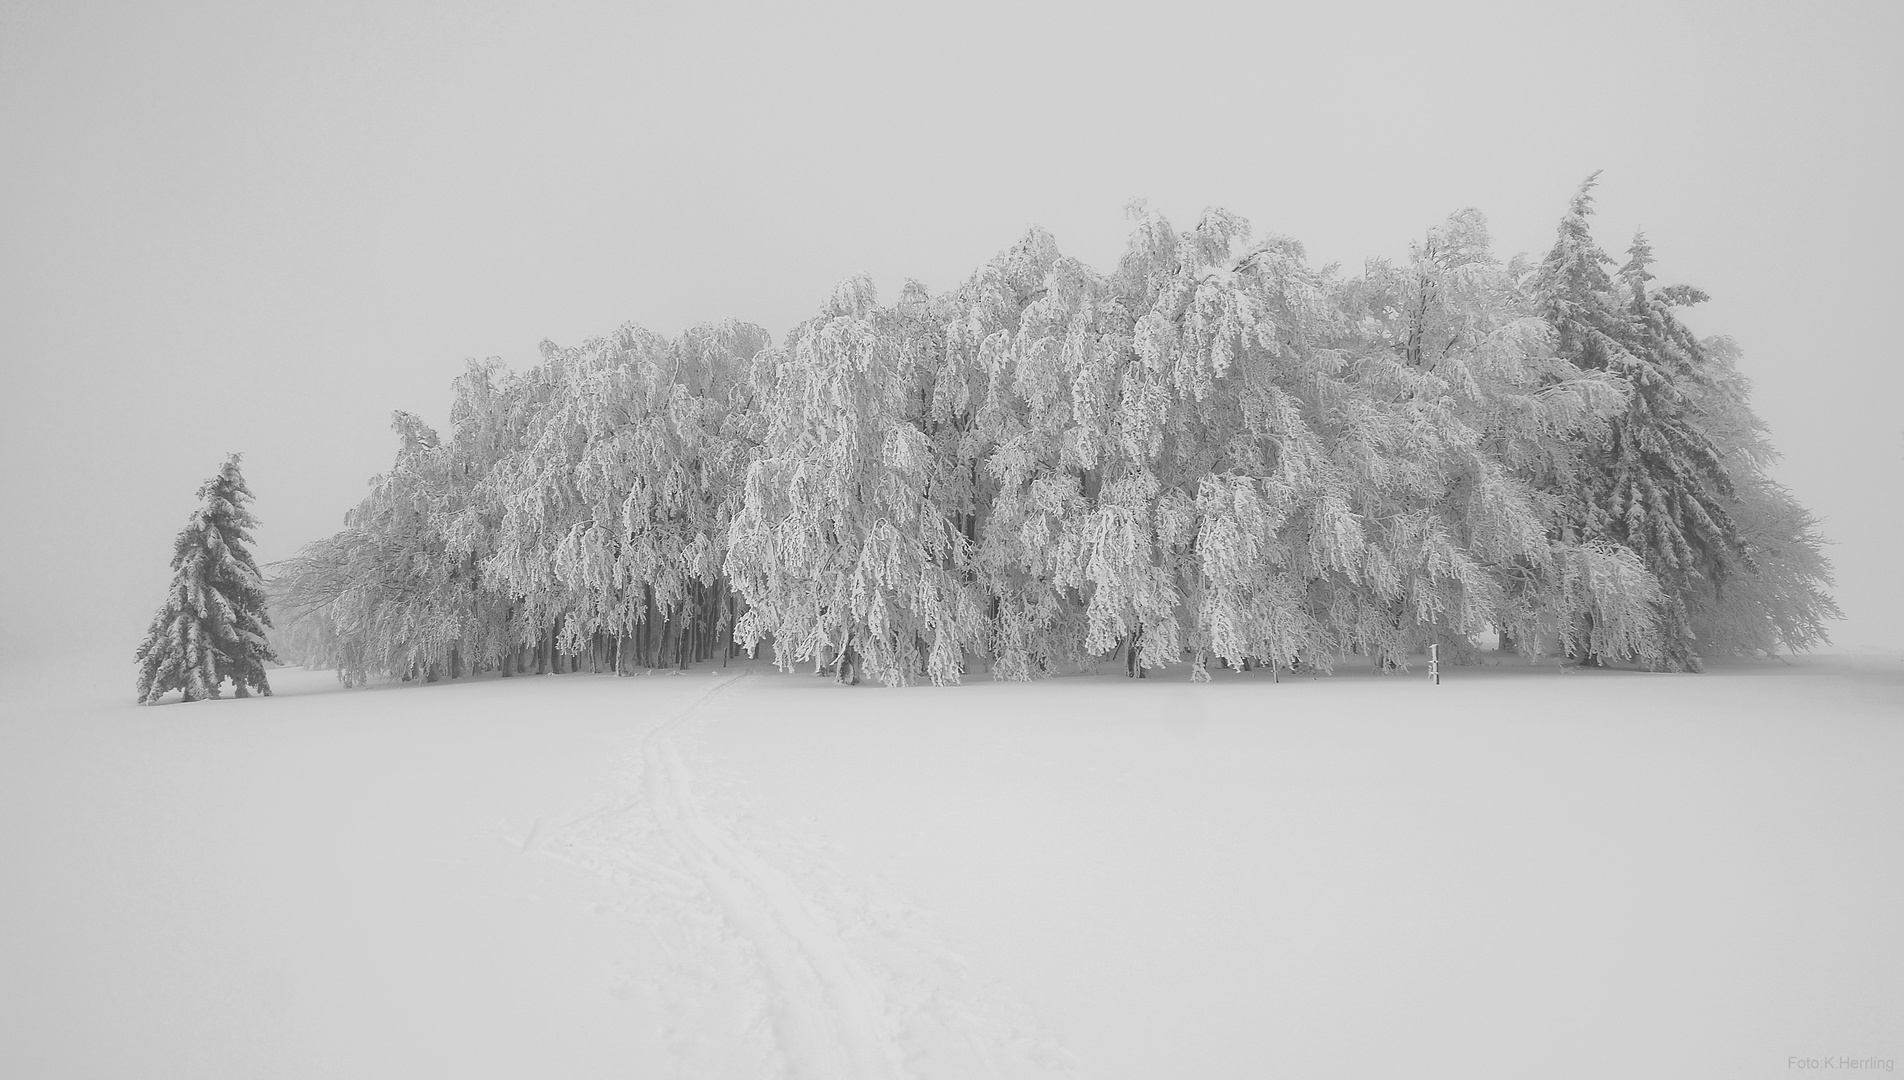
(1434, 663)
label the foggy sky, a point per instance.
(262, 228)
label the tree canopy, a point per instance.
(1213, 453)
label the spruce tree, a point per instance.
(1658, 485)
(212, 625)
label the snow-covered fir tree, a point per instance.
(212, 625)
(1681, 476)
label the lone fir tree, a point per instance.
(212, 626)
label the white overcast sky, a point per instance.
(262, 227)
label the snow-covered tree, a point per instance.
(1657, 485)
(1482, 420)
(1224, 520)
(1015, 436)
(839, 548)
(615, 505)
(396, 599)
(576, 515)
(212, 625)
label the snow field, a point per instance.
(749, 873)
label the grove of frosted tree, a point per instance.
(1212, 454)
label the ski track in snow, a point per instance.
(779, 963)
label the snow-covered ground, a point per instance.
(742, 873)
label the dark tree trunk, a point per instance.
(848, 670)
(1133, 667)
(645, 650)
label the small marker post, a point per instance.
(1434, 663)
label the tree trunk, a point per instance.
(644, 652)
(700, 623)
(691, 630)
(724, 623)
(710, 614)
(1133, 668)
(848, 670)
